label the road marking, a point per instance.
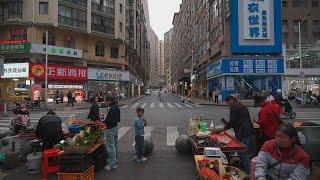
(144, 105)
(188, 105)
(135, 105)
(172, 135)
(170, 105)
(197, 105)
(178, 105)
(152, 105)
(147, 132)
(124, 106)
(122, 131)
(161, 105)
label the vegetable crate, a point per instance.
(87, 175)
(75, 163)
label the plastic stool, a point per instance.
(46, 166)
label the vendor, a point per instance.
(49, 129)
(281, 158)
(241, 123)
(94, 114)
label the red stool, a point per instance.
(48, 167)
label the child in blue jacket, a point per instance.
(139, 124)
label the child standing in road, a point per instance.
(139, 124)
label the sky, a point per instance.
(161, 15)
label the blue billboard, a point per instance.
(256, 26)
(245, 66)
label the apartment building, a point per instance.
(167, 58)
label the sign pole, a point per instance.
(46, 75)
(300, 54)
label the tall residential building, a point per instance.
(153, 39)
(87, 46)
(306, 13)
(167, 57)
(160, 60)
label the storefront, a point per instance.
(245, 76)
(104, 81)
(61, 78)
(15, 82)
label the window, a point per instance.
(120, 27)
(315, 3)
(316, 26)
(15, 9)
(69, 41)
(102, 24)
(51, 39)
(72, 17)
(1, 12)
(121, 8)
(19, 34)
(114, 52)
(78, 2)
(43, 7)
(100, 49)
(285, 26)
(299, 3)
(284, 3)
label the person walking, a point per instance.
(73, 97)
(69, 95)
(111, 121)
(94, 114)
(139, 124)
(61, 97)
(216, 97)
(241, 123)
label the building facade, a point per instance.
(167, 58)
(153, 39)
(306, 13)
(160, 60)
(84, 37)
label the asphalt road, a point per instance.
(167, 120)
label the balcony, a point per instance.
(102, 9)
(82, 3)
(102, 29)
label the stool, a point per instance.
(50, 167)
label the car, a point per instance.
(148, 92)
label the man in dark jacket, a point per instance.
(94, 114)
(49, 129)
(112, 120)
(241, 123)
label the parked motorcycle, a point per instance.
(32, 104)
(21, 120)
(288, 111)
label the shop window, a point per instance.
(100, 49)
(51, 39)
(69, 41)
(19, 34)
(43, 7)
(114, 52)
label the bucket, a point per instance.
(34, 162)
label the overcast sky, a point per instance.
(161, 14)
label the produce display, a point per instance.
(84, 138)
(207, 142)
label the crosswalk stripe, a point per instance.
(172, 135)
(135, 105)
(197, 105)
(144, 105)
(188, 105)
(122, 131)
(170, 105)
(124, 106)
(161, 105)
(147, 132)
(152, 105)
(178, 105)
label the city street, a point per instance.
(166, 120)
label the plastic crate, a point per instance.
(88, 175)
(75, 163)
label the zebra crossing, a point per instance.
(172, 134)
(161, 105)
(34, 118)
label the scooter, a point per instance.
(288, 111)
(21, 120)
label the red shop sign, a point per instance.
(75, 73)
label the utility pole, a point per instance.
(46, 75)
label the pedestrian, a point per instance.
(241, 123)
(269, 121)
(94, 114)
(210, 96)
(216, 97)
(111, 121)
(281, 158)
(57, 96)
(69, 95)
(61, 97)
(139, 124)
(49, 130)
(73, 97)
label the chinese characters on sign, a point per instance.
(14, 48)
(108, 75)
(234, 66)
(56, 51)
(256, 19)
(16, 70)
(59, 72)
